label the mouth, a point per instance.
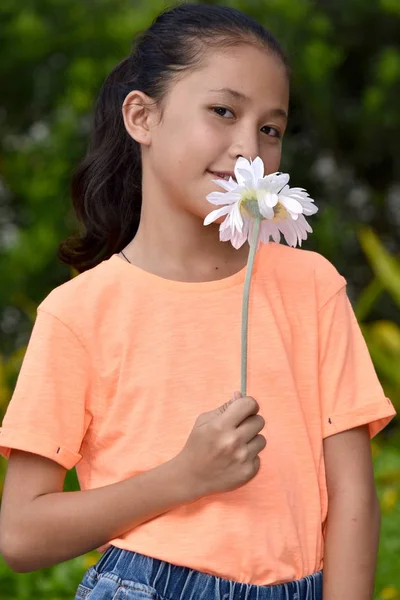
(223, 175)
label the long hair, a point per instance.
(106, 186)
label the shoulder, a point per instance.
(77, 301)
(299, 267)
(298, 260)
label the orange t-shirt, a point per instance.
(121, 362)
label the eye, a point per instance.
(221, 108)
(277, 132)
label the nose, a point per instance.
(247, 147)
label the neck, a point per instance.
(182, 248)
(173, 242)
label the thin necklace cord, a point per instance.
(125, 256)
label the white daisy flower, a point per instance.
(270, 198)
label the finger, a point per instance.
(256, 445)
(239, 410)
(250, 427)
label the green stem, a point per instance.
(245, 310)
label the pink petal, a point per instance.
(288, 231)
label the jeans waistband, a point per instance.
(173, 582)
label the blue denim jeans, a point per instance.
(125, 575)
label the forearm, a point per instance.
(351, 548)
(60, 526)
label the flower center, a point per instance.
(249, 205)
(280, 212)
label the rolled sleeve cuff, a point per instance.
(37, 444)
(377, 415)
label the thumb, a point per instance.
(210, 415)
(224, 407)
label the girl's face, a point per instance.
(235, 105)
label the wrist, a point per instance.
(186, 486)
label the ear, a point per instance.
(137, 111)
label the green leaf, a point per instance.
(385, 267)
(368, 298)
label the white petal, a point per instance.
(258, 168)
(274, 182)
(215, 214)
(220, 198)
(274, 186)
(249, 185)
(219, 182)
(267, 212)
(238, 238)
(309, 208)
(225, 224)
(246, 178)
(243, 163)
(297, 190)
(265, 203)
(240, 179)
(266, 198)
(291, 205)
(227, 185)
(243, 170)
(235, 216)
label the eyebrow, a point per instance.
(275, 112)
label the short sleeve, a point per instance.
(350, 392)
(48, 412)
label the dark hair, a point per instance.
(106, 185)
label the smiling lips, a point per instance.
(223, 174)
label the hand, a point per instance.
(221, 453)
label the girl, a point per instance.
(130, 364)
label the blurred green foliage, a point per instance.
(381, 335)
(341, 145)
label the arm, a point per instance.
(46, 526)
(353, 523)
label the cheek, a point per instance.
(272, 158)
(198, 147)
(201, 139)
